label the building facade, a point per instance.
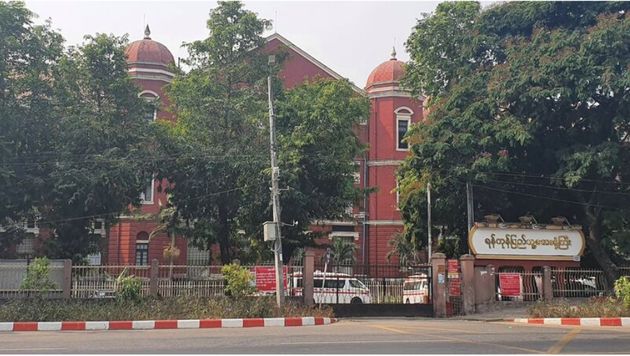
(374, 221)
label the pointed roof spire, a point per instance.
(393, 53)
(147, 33)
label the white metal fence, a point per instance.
(572, 283)
(530, 284)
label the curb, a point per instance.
(162, 324)
(619, 322)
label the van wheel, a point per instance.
(407, 301)
(356, 300)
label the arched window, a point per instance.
(150, 97)
(142, 248)
(403, 120)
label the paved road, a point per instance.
(360, 336)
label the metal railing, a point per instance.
(13, 273)
(373, 284)
(572, 283)
(100, 281)
(530, 285)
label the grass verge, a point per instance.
(592, 308)
(153, 309)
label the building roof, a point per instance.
(311, 59)
(388, 72)
(148, 51)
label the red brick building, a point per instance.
(374, 221)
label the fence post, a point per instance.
(547, 287)
(467, 263)
(67, 278)
(154, 274)
(307, 277)
(438, 271)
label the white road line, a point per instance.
(364, 342)
(35, 349)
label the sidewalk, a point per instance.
(498, 313)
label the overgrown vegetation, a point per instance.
(128, 288)
(239, 280)
(37, 276)
(594, 308)
(153, 308)
(622, 290)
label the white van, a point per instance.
(333, 288)
(416, 289)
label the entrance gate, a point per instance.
(374, 290)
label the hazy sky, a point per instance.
(350, 37)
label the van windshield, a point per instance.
(355, 283)
(330, 283)
(414, 285)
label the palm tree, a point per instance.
(342, 251)
(403, 248)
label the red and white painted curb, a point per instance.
(624, 322)
(162, 324)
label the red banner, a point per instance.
(510, 284)
(266, 278)
(452, 266)
(455, 288)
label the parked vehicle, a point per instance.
(333, 288)
(416, 289)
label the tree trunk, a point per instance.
(593, 240)
(224, 237)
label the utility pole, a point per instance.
(429, 218)
(469, 206)
(275, 194)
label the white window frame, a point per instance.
(141, 242)
(403, 113)
(152, 99)
(142, 195)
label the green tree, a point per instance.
(532, 110)
(100, 163)
(28, 54)
(220, 105)
(342, 251)
(401, 247)
(317, 149)
(221, 175)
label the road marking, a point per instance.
(363, 342)
(561, 327)
(447, 329)
(35, 349)
(390, 329)
(555, 349)
(449, 338)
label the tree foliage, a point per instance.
(531, 108)
(72, 136)
(100, 165)
(221, 175)
(28, 54)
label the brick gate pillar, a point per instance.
(467, 263)
(438, 268)
(307, 277)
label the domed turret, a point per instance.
(386, 75)
(147, 51)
